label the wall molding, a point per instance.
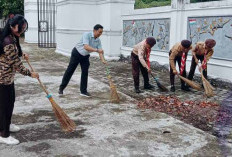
(79, 31)
(165, 54)
(93, 2)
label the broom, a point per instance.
(114, 94)
(207, 86)
(190, 83)
(66, 123)
(161, 87)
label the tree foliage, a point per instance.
(11, 6)
(151, 3)
(157, 3)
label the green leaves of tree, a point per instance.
(11, 6)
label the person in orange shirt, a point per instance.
(202, 51)
(178, 54)
(140, 61)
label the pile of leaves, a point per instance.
(200, 114)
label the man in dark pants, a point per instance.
(89, 42)
(202, 51)
(178, 54)
(140, 61)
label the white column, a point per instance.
(177, 21)
(110, 18)
(30, 13)
(74, 17)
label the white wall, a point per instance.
(179, 13)
(74, 17)
(30, 12)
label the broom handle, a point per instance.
(201, 71)
(104, 62)
(41, 84)
(102, 58)
(197, 63)
(153, 76)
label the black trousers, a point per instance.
(7, 99)
(75, 59)
(136, 66)
(172, 75)
(193, 67)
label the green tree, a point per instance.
(151, 3)
(11, 6)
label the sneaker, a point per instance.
(149, 87)
(60, 92)
(185, 88)
(138, 91)
(9, 140)
(14, 128)
(86, 94)
(173, 89)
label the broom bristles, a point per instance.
(66, 123)
(114, 97)
(162, 87)
(191, 83)
(207, 86)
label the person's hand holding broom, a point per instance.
(33, 74)
(175, 72)
(101, 54)
(25, 56)
(149, 70)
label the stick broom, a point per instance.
(66, 123)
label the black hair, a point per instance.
(1, 32)
(186, 43)
(151, 41)
(12, 22)
(97, 27)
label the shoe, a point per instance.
(60, 92)
(173, 89)
(188, 87)
(185, 88)
(14, 128)
(138, 91)
(9, 140)
(149, 87)
(86, 94)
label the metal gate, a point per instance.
(46, 23)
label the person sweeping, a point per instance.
(10, 62)
(202, 51)
(89, 43)
(140, 61)
(178, 54)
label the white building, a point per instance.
(124, 26)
